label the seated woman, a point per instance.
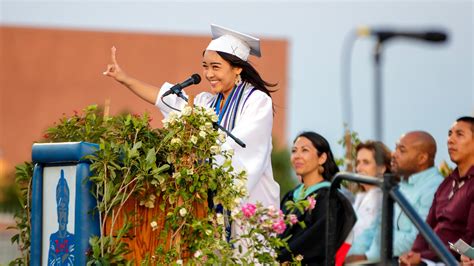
(313, 161)
(372, 159)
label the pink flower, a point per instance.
(280, 212)
(279, 226)
(293, 219)
(271, 210)
(312, 203)
(248, 210)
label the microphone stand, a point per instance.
(180, 94)
(378, 97)
(237, 140)
(216, 125)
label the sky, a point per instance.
(425, 86)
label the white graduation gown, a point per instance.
(253, 126)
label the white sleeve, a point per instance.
(176, 102)
(254, 128)
(172, 100)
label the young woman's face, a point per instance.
(304, 157)
(220, 74)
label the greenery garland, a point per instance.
(173, 169)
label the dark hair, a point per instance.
(249, 73)
(467, 119)
(382, 154)
(322, 146)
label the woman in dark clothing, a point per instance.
(313, 161)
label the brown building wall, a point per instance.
(47, 72)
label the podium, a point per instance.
(62, 212)
(143, 239)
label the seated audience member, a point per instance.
(466, 261)
(372, 159)
(413, 162)
(451, 215)
(313, 161)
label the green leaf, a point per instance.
(94, 242)
(151, 157)
(15, 238)
(161, 169)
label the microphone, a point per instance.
(176, 89)
(383, 35)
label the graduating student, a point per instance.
(240, 98)
(313, 161)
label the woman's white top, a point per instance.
(367, 206)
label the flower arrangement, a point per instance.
(260, 228)
(172, 169)
(199, 165)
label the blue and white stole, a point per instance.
(228, 114)
(226, 118)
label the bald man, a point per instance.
(413, 161)
(452, 213)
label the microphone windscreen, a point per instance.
(436, 36)
(196, 78)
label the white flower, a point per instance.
(150, 204)
(238, 184)
(179, 262)
(271, 210)
(190, 171)
(154, 225)
(183, 212)
(198, 254)
(199, 110)
(171, 118)
(208, 125)
(237, 201)
(176, 175)
(208, 232)
(230, 152)
(214, 118)
(210, 112)
(187, 110)
(221, 137)
(175, 141)
(220, 218)
(215, 149)
(299, 257)
(194, 139)
(202, 134)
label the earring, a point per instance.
(238, 79)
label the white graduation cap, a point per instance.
(233, 42)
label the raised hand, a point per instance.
(147, 92)
(113, 70)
